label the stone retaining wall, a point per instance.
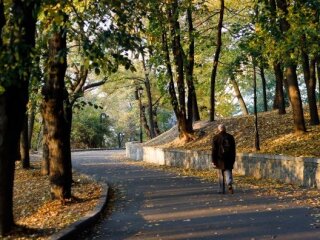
(297, 170)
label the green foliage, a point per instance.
(89, 130)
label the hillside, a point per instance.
(275, 131)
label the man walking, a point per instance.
(223, 157)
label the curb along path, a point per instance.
(154, 204)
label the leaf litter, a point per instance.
(36, 215)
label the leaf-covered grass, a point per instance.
(276, 135)
(36, 215)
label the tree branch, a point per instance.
(95, 84)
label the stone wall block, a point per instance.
(297, 170)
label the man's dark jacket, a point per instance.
(222, 160)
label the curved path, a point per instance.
(154, 204)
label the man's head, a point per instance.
(221, 128)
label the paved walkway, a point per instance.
(153, 204)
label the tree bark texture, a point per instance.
(54, 115)
(295, 99)
(215, 62)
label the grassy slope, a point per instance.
(276, 135)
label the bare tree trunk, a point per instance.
(12, 108)
(295, 99)
(256, 129)
(184, 126)
(24, 146)
(45, 163)
(215, 62)
(156, 126)
(55, 95)
(313, 80)
(31, 123)
(145, 122)
(238, 95)
(192, 104)
(279, 102)
(310, 81)
(149, 96)
(318, 75)
(291, 77)
(172, 92)
(264, 89)
(13, 101)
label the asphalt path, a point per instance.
(155, 204)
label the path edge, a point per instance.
(87, 220)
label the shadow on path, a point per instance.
(154, 204)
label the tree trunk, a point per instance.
(192, 104)
(145, 122)
(291, 76)
(310, 81)
(24, 145)
(264, 89)
(215, 62)
(68, 115)
(238, 95)
(295, 99)
(318, 75)
(13, 101)
(45, 163)
(55, 96)
(155, 117)
(149, 96)
(185, 128)
(279, 102)
(256, 129)
(12, 108)
(31, 123)
(172, 91)
(313, 84)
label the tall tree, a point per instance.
(55, 96)
(184, 124)
(215, 62)
(310, 81)
(147, 84)
(290, 72)
(192, 104)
